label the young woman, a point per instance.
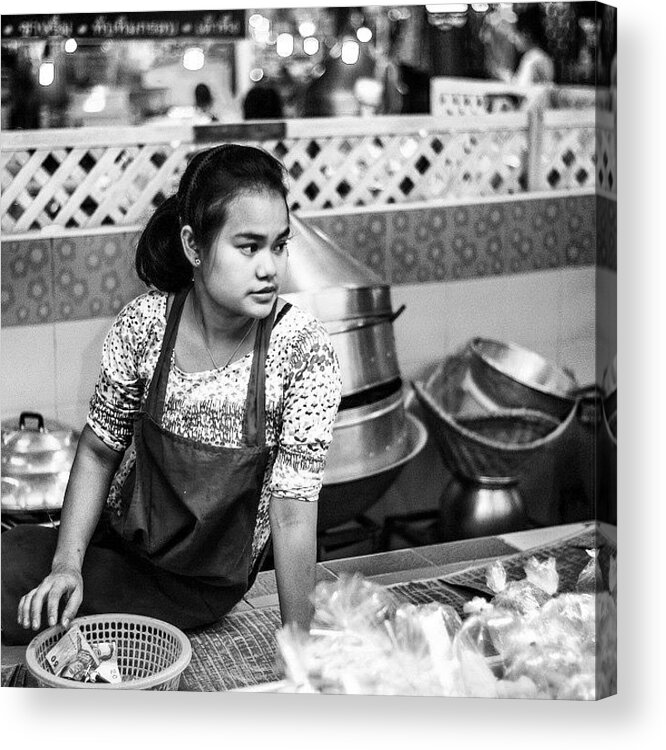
(207, 430)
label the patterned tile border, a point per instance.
(88, 276)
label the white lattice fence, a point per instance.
(78, 179)
(106, 176)
(606, 153)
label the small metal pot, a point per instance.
(37, 457)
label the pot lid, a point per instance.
(317, 262)
(31, 435)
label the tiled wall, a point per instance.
(521, 270)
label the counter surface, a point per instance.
(240, 651)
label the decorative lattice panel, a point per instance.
(95, 177)
(568, 158)
(86, 186)
(379, 170)
(606, 158)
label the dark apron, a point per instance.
(188, 507)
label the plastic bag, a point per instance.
(496, 577)
(543, 574)
(351, 603)
(590, 579)
(521, 596)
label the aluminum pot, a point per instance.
(346, 302)
(366, 352)
(513, 377)
(37, 457)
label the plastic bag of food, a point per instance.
(351, 603)
(590, 579)
(543, 574)
(496, 577)
(520, 596)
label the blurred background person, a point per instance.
(203, 104)
(263, 102)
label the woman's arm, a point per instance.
(294, 532)
(92, 471)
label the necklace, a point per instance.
(203, 338)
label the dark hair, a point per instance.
(262, 103)
(212, 179)
(531, 22)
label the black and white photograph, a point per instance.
(310, 350)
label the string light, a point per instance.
(285, 45)
(311, 45)
(364, 34)
(193, 58)
(70, 46)
(350, 51)
(46, 73)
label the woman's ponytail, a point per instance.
(160, 260)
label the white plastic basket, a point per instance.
(152, 654)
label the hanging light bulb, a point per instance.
(285, 45)
(70, 46)
(350, 51)
(311, 45)
(363, 34)
(193, 58)
(306, 29)
(46, 73)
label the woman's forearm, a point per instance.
(294, 531)
(87, 489)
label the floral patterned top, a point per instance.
(303, 390)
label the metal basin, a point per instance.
(341, 501)
(514, 377)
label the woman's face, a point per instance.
(246, 264)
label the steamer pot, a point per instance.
(346, 302)
(37, 457)
(366, 351)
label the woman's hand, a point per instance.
(61, 582)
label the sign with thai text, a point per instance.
(217, 24)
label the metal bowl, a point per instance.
(516, 378)
(342, 500)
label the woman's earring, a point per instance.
(197, 261)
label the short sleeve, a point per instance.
(119, 387)
(312, 397)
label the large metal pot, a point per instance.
(346, 302)
(366, 352)
(359, 320)
(37, 457)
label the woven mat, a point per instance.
(17, 675)
(237, 652)
(570, 558)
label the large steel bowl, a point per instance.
(341, 501)
(516, 378)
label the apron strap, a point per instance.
(254, 424)
(158, 385)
